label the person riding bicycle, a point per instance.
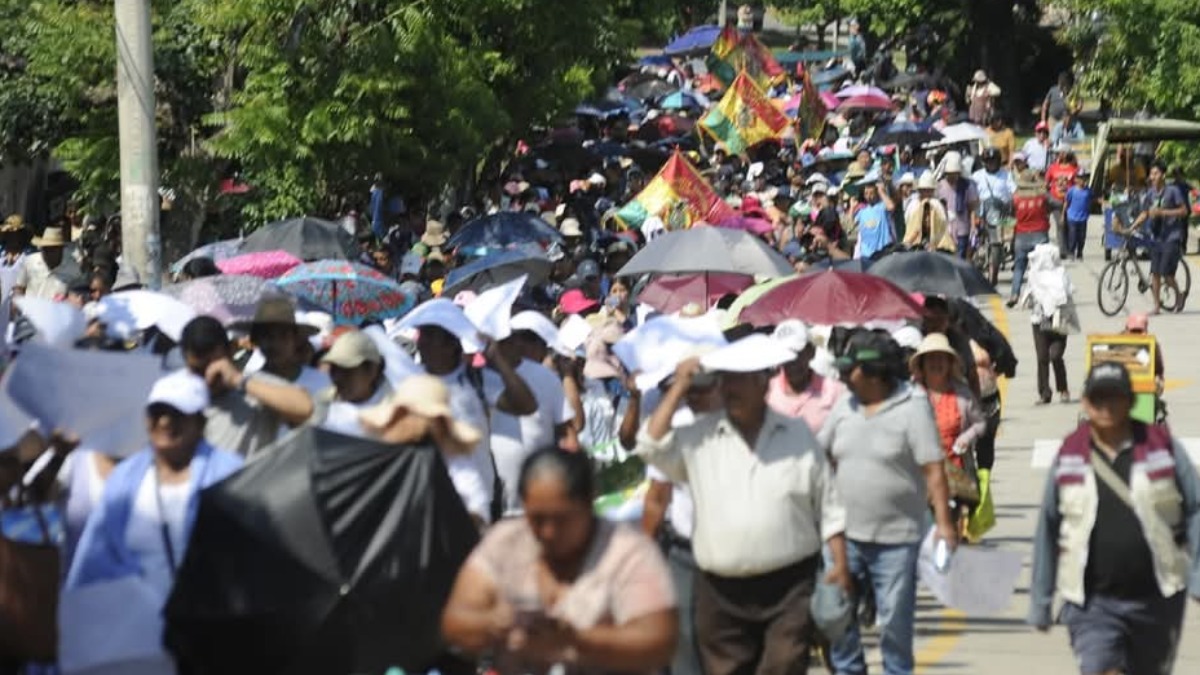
(1165, 209)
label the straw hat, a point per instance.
(277, 311)
(425, 396)
(927, 181)
(13, 223)
(435, 234)
(935, 343)
(51, 237)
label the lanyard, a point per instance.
(164, 529)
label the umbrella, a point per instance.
(963, 132)
(845, 264)
(866, 102)
(602, 110)
(830, 75)
(306, 238)
(670, 293)
(217, 251)
(678, 101)
(329, 554)
(698, 38)
(752, 225)
(650, 88)
(707, 249)
(909, 81)
(502, 230)
(227, 297)
(499, 268)
(934, 273)
(832, 298)
(265, 265)
(350, 292)
(747, 298)
(905, 134)
(853, 90)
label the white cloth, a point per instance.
(474, 476)
(343, 415)
(515, 438)
(144, 534)
(1049, 286)
(9, 273)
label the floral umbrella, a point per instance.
(350, 292)
(227, 297)
(264, 265)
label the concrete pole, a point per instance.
(141, 245)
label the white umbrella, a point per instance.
(127, 312)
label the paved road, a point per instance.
(951, 643)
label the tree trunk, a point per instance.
(992, 30)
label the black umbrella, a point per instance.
(502, 230)
(329, 554)
(499, 268)
(843, 264)
(306, 238)
(906, 133)
(978, 328)
(933, 273)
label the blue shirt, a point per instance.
(1079, 204)
(874, 229)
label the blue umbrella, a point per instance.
(504, 230)
(680, 100)
(499, 268)
(700, 38)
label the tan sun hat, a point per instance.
(426, 396)
(435, 234)
(935, 343)
(927, 181)
(51, 237)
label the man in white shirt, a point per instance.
(516, 437)
(46, 273)
(764, 505)
(281, 340)
(1037, 149)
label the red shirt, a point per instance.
(1059, 177)
(1031, 214)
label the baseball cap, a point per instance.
(1042, 126)
(575, 302)
(1108, 378)
(792, 334)
(588, 269)
(182, 390)
(351, 350)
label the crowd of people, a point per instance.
(792, 470)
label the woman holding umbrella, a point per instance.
(562, 586)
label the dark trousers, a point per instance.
(1076, 236)
(985, 445)
(1139, 637)
(756, 625)
(1050, 347)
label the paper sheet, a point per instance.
(491, 312)
(979, 582)
(99, 396)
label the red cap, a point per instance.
(1042, 126)
(575, 302)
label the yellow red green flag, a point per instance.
(744, 117)
(677, 194)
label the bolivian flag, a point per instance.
(678, 195)
(735, 51)
(744, 117)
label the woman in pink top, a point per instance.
(561, 586)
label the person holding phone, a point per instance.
(562, 587)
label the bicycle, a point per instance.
(1112, 289)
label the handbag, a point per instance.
(961, 483)
(1065, 320)
(29, 582)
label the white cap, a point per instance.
(181, 390)
(927, 181)
(792, 334)
(908, 178)
(819, 188)
(570, 228)
(538, 324)
(750, 354)
(908, 337)
(597, 179)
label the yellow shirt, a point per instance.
(1004, 141)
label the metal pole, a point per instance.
(141, 246)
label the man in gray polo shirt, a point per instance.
(888, 468)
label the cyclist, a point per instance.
(1165, 209)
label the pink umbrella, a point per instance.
(264, 265)
(755, 226)
(866, 102)
(671, 293)
(831, 102)
(860, 90)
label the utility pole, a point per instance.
(141, 245)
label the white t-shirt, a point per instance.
(144, 534)
(681, 510)
(343, 415)
(473, 476)
(515, 438)
(311, 379)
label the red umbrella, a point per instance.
(866, 102)
(670, 293)
(832, 298)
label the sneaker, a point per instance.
(1012, 302)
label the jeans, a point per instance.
(962, 245)
(1076, 235)
(1023, 245)
(891, 570)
